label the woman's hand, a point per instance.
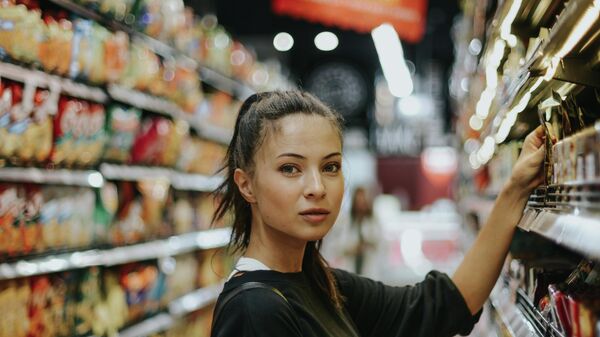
(526, 174)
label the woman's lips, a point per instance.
(315, 215)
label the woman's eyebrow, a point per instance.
(295, 155)
(332, 155)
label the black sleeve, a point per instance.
(433, 307)
(256, 312)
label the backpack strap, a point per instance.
(246, 286)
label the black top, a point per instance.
(433, 307)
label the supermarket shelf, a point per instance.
(162, 106)
(44, 176)
(178, 308)
(144, 101)
(40, 78)
(174, 245)
(580, 233)
(509, 315)
(195, 182)
(152, 325)
(538, 321)
(195, 300)
(207, 75)
(224, 83)
(179, 180)
(214, 133)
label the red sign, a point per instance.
(407, 16)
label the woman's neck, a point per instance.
(275, 249)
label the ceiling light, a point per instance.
(283, 41)
(326, 41)
(391, 57)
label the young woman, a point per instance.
(284, 188)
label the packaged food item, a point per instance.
(39, 310)
(122, 126)
(111, 312)
(39, 136)
(19, 117)
(93, 137)
(129, 226)
(150, 142)
(182, 279)
(181, 214)
(174, 140)
(88, 297)
(67, 124)
(55, 49)
(118, 9)
(56, 307)
(152, 20)
(32, 228)
(21, 33)
(81, 56)
(154, 196)
(107, 203)
(12, 203)
(143, 70)
(14, 295)
(201, 156)
(137, 280)
(117, 55)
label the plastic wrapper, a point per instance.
(21, 33)
(122, 126)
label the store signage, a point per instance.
(407, 16)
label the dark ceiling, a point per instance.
(253, 23)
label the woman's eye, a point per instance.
(289, 169)
(332, 168)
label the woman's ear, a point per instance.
(244, 184)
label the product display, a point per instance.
(508, 81)
(113, 120)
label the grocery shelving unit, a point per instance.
(178, 308)
(174, 245)
(208, 76)
(557, 43)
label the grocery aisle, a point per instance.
(115, 117)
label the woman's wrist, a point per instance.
(515, 191)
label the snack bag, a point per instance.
(116, 55)
(122, 126)
(37, 138)
(129, 226)
(93, 139)
(39, 313)
(150, 142)
(154, 195)
(67, 125)
(55, 51)
(107, 203)
(88, 297)
(19, 117)
(81, 48)
(21, 33)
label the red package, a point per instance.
(560, 310)
(151, 141)
(67, 126)
(11, 219)
(39, 319)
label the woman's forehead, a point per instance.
(300, 133)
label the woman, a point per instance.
(284, 187)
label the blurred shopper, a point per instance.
(284, 186)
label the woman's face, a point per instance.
(297, 180)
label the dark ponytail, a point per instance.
(256, 113)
